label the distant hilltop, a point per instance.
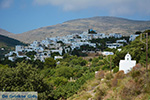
(100, 24)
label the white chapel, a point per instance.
(127, 64)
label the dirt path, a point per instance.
(92, 92)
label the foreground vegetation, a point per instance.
(117, 86)
(52, 80)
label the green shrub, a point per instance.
(100, 57)
(105, 67)
(90, 59)
(116, 69)
(101, 63)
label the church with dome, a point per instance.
(127, 64)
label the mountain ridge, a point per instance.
(5, 33)
(103, 24)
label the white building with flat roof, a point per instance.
(106, 53)
(113, 45)
(133, 37)
(19, 48)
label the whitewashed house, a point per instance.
(42, 56)
(101, 35)
(127, 64)
(118, 35)
(113, 45)
(133, 37)
(27, 49)
(35, 44)
(12, 58)
(119, 49)
(106, 53)
(58, 57)
(122, 41)
(115, 35)
(58, 50)
(84, 36)
(39, 49)
(10, 53)
(46, 42)
(90, 36)
(19, 48)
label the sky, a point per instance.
(18, 16)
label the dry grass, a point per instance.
(131, 86)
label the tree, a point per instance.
(63, 52)
(147, 31)
(64, 71)
(49, 63)
(55, 54)
(31, 54)
(24, 78)
(38, 63)
(138, 32)
(78, 52)
(66, 56)
(60, 81)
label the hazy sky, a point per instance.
(18, 16)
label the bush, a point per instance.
(49, 63)
(99, 94)
(105, 67)
(120, 75)
(64, 71)
(100, 57)
(135, 73)
(99, 74)
(114, 82)
(24, 78)
(101, 63)
(116, 69)
(109, 76)
(101, 91)
(90, 59)
(130, 90)
(60, 81)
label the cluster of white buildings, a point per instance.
(61, 45)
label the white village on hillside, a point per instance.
(60, 45)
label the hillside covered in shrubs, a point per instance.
(114, 84)
(117, 86)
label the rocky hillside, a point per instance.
(116, 86)
(100, 24)
(5, 33)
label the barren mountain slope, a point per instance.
(100, 24)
